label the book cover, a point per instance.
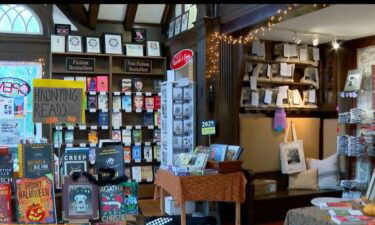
(35, 200)
(93, 137)
(117, 119)
(103, 118)
(91, 84)
(92, 102)
(156, 150)
(157, 83)
(138, 102)
(5, 203)
(147, 173)
(110, 157)
(83, 79)
(137, 136)
(157, 135)
(126, 135)
(69, 136)
(103, 102)
(232, 152)
(112, 203)
(6, 172)
(148, 119)
(131, 194)
(126, 102)
(136, 153)
(157, 118)
(218, 152)
(147, 153)
(116, 135)
(127, 153)
(128, 172)
(80, 199)
(75, 161)
(350, 219)
(57, 137)
(156, 102)
(102, 83)
(137, 85)
(335, 205)
(149, 103)
(126, 85)
(116, 103)
(345, 212)
(36, 160)
(136, 173)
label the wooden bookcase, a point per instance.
(112, 66)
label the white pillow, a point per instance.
(328, 171)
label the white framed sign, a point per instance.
(113, 43)
(57, 43)
(153, 48)
(74, 43)
(134, 50)
(92, 45)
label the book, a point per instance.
(69, 136)
(116, 135)
(128, 172)
(112, 203)
(93, 137)
(103, 118)
(147, 173)
(233, 152)
(92, 102)
(349, 220)
(5, 203)
(75, 161)
(200, 160)
(136, 173)
(345, 212)
(157, 135)
(127, 153)
(57, 137)
(110, 157)
(138, 102)
(126, 136)
(149, 103)
(57, 171)
(19, 107)
(102, 83)
(83, 79)
(157, 118)
(157, 84)
(218, 153)
(35, 160)
(156, 102)
(116, 119)
(80, 199)
(91, 84)
(103, 102)
(35, 198)
(335, 205)
(131, 194)
(137, 85)
(148, 119)
(136, 153)
(147, 153)
(6, 172)
(116, 103)
(156, 150)
(137, 136)
(126, 102)
(126, 85)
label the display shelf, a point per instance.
(64, 72)
(134, 73)
(275, 82)
(292, 61)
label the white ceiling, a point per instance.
(60, 18)
(149, 13)
(114, 12)
(347, 22)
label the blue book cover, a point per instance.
(148, 119)
(218, 152)
(136, 152)
(126, 102)
(103, 118)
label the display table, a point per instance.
(230, 187)
(308, 216)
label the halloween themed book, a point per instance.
(35, 200)
(131, 195)
(80, 199)
(5, 204)
(110, 157)
(6, 172)
(36, 160)
(112, 203)
(75, 161)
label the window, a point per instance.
(19, 19)
(183, 19)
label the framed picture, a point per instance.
(92, 44)
(74, 43)
(57, 43)
(184, 21)
(134, 49)
(192, 16)
(113, 44)
(62, 29)
(139, 35)
(353, 80)
(177, 26)
(153, 48)
(171, 29)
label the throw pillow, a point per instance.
(304, 180)
(328, 171)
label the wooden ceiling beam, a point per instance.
(93, 15)
(80, 13)
(131, 11)
(167, 15)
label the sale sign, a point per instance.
(181, 59)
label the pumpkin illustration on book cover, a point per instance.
(35, 213)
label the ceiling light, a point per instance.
(315, 40)
(335, 44)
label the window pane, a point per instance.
(19, 25)
(4, 7)
(187, 7)
(178, 10)
(19, 8)
(12, 14)
(5, 25)
(26, 14)
(33, 26)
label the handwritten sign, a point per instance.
(58, 101)
(138, 66)
(208, 127)
(181, 59)
(80, 64)
(11, 87)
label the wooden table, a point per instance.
(230, 187)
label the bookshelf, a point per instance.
(115, 68)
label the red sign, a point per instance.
(181, 59)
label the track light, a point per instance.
(296, 39)
(315, 40)
(335, 44)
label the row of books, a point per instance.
(141, 173)
(125, 102)
(137, 153)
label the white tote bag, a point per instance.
(291, 153)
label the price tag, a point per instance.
(69, 145)
(128, 110)
(94, 127)
(92, 93)
(70, 127)
(116, 110)
(127, 144)
(137, 144)
(104, 110)
(138, 110)
(208, 127)
(148, 94)
(150, 110)
(82, 144)
(138, 127)
(102, 93)
(116, 93)
(116, 127)
(148, 143)
(58, 127)
(137, 160)
(150, 127)
(138, 93)
(82, 127)
(104, 127)
(92, 145)
(128, 93)
(92, 110)
(129, 127)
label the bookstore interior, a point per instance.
(204, 114)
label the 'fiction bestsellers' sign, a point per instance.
(181, 59)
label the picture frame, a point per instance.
(177, 26)
(184, 21)
(192, 16)
(171, 29)
(57, 43)
(112, 43)
(92, 45)
(153, 48)
(134, 49)
(62, 29)
(139, 35)
(353, 80)
(74, 43)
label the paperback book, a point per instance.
(233, 152)
(35, 160)
(91, 84)
(127, 154)
(126, 102)
(92, 102)
(218, 152)
(156, 102)
(75, 161)
(116, 119)
(103, 102)
(102, 83)
(103, 118)
(126, 136)
(131, 194)
(148, 119)
(137, 85)
(136, 173)
(83, 79)
(147, 173)
(156, 150)
(69, 136)
(157, 84)
(116, 103)
(6, 172)
(349, 220)
(147, 153)
(136, 153)
(138, 102)
(126, 85)
(149, 103)
(112, 203)
(137, 136)
(116, 135)
(5, 203)
(110, 157)
(157, 118)
(93, 137)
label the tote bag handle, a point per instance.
(294, 134)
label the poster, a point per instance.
(6, 108)
(10, 131)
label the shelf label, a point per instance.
(138, 110)
(116, 110)
(116, 127)
(127, 144)
(92, 93)
(102, 93)
(92, 145)
(116, 93)
(104, 127)
(148, 94)
(92, 110)
(94, 127)
(56, 145)
(149, 179)
(127, 161)
(138, 93)
(128, 93)
(58, 127)
(104, 110)
(150, 110)
(82, 127)
(137, 144)
(138, 127)
(129, 127)
(159, 94)
(70, 127)
(128, 110)
(82, 145)
(148, 143)
(137, 160)
(69, 145)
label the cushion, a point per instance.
(304, 180)
(328, 171)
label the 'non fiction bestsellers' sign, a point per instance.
(58, 101)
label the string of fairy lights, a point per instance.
(216, 39)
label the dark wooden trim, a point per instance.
(147, 24)
(131, 11)
(93, 15)
(110, 21)
(166, 12)
(80, 13)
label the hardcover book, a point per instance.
(5, 203)
(75, 161)
(137, 136)
(218, 153)
(112, 203)
(126, 102)
(116, 103)
(136, 153)
(6, 172)
(156, 102)
(147, 153)
(233, 152)
(149, 103)
(136, 173)
(69, 136)
(103, 102)
(126, 85)
(131, 194)
(116, 135)
(110, 157)
(127, 153)
(102, 83)
(92, 102)
(137, 85)
(91, 84)
(103, 118)
(117, 119)
(35, 160)
(157, 135)
(126, 135)
(147, 173)
(156, 149)
(80, 199)
(35, 200)
(148, 119)
(138, 102)
(157, 118)
(93, 137)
